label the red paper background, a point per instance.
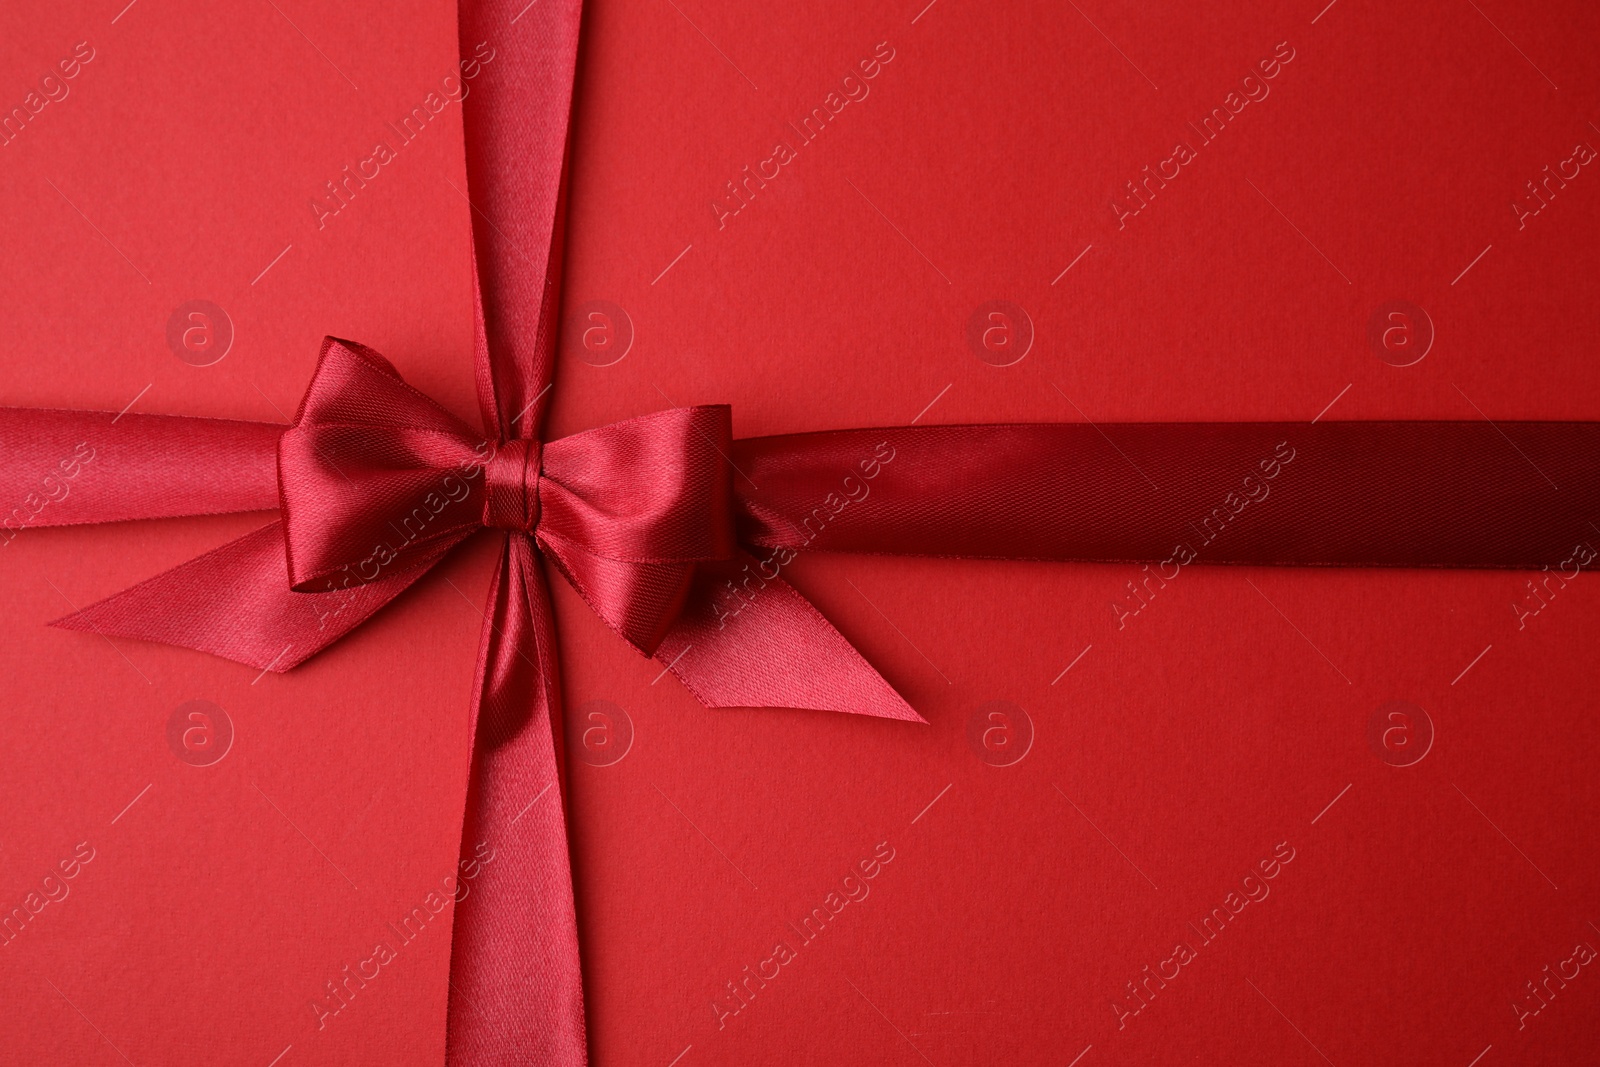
(1175, 754)
(218, 905)
(1210, 729)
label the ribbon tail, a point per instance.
(235, 602)
(769, 648)
(516, 985)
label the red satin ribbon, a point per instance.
(1371, 494)
(374, 483)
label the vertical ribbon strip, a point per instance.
(516, 986)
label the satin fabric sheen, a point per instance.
(374, 483)
(1397, 494)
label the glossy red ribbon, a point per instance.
(374, 483)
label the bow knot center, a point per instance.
(511, 486)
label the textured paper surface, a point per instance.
(1180, 752)
(989, 887)
(223, 894)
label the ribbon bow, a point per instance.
(375, 476)
(377, 483)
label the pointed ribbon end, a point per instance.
(771, 650)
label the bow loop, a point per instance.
(653, 489)
(628, 509)
(373, 476)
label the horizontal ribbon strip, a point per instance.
(1406, 494)
(1418, 494)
